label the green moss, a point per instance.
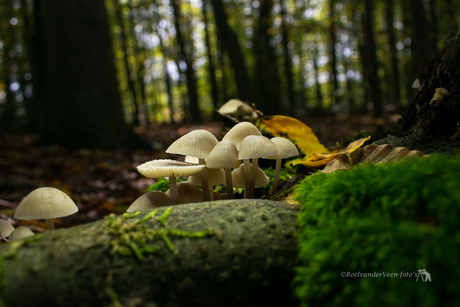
(385, 218)
(131, 236)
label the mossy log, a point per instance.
(223, 253)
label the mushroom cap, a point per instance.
(254, 146)
(223, 155)
(188, 193)
(239, 132)
(45, 203)
(150, 201)
(216, 176)
(286, 147)
(191, 160)
(6, 228)
(197, 143)
(21, 233)
(235, 107)
(238, 177)
(168, 168)
(442, 91)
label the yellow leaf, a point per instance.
(293, 129)
(318, 160)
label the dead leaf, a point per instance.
(293, 129)
(318, 160)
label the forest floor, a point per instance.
(101, 182)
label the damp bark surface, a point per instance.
(246, 258)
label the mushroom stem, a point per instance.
(252, 182)
(277, 175)
(173, 189)
(204, 182)
(50, 224)
(229, 182)
(247, 177)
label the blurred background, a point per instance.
(91, 89)
(82, 73)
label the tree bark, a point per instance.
(333, 41)
(81, 103)
(369, 42)
(230, 41)
(287, 61)
(192, 92)
(129, 74)
(395, 89)
(247, 259)
(211, 67)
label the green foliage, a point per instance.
(388, 218)
(285, 173)
(161, 185)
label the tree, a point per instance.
(80, 99)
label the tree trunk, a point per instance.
(211, 67)
(192, 91)
(424, 47)
(266, 62)
(395, 89)
(82, 107)
(369, 41)
(230, 41)
(319, 95)
(247, 259)
(129, 74)
(287, 61)
(333, 41)
(439, 116)
(139, 63)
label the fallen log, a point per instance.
(223, 253)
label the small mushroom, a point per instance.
(439, 95)
(21, 233)
(239, 178)
(5, 228)
(255, 147)
(235, 107)
(45, 204)
(150, 201)
(171, 169)
(188, 193)
(237, 135)
(216, 176)
(224, 155)
(198, 144)
(287, 150)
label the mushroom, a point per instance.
(216, 176)
(171, 169)
(255, 147)
(287, 150)
(224, 155)
(236, 135)
(239, 178)
(150, 201)
(188, 193)
(198, 144)
(235, 107)
(439, 95)
(21, 233)
(45, 204)
(5, 228)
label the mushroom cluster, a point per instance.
(233, 161)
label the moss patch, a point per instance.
(394, 218)
(130, 235)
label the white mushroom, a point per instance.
(150, 201)
(5, 228)
(224, 155)
(255, 147)
(188, 193)
(239, 178)
(21, 233)
(171, 169)
(198, 144)
(216, 176)
(287, 150)
(45, 204)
